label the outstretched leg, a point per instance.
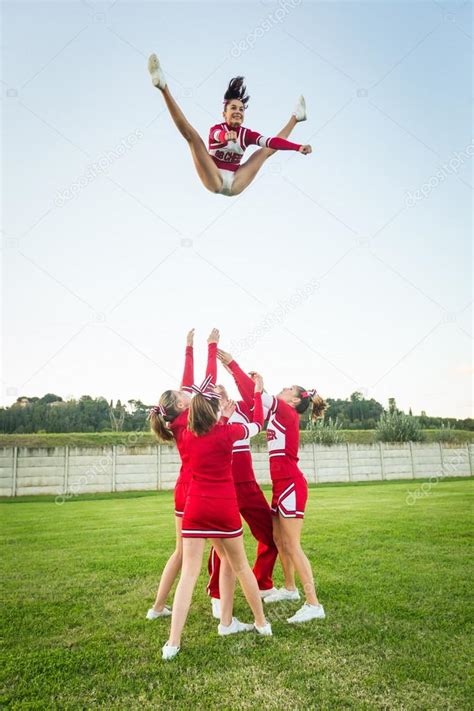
(205, 166)
(247, 172)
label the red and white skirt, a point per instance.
(289, 497)
(207, 517)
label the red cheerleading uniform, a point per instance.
(212, 509)
(227, 155)
(179, 425)
(289, 486)
(253, 508)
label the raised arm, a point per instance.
(188, 374)
(244, 383)
(212, 342)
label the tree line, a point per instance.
(51, 413)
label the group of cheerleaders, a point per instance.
(217, 485)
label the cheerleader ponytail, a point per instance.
(310, 397)
(162, 414)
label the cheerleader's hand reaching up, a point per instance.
(190, 338)
(224, 357)
(228, 409)
(214, 336)
(258, 380)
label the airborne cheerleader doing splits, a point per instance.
(219, 166)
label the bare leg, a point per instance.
(193, 549)
(247, 172)
(170, 571)
(291, 536)
(235, 552)
(226, 584)
(205, 166)
(286, 562)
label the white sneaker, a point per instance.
(153, 614)
(282, 594)
(157, 74)
(169, 652)
(300, 110)
(216, 608)
(308, 612)
(265, 631)
(266, 593)
(234, 627)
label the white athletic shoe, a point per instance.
(308, 612)
(153, 614)
(169, 652)
(282, 594)
(234, 627)
(300, 110)
(266, 593)
(157, 74)
(265, 631)
(216, 608)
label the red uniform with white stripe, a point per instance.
(227, 155)
(211, 509)
(290, 489)
(179, 425)
(253, 508)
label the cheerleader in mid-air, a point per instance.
(289, 486)
(219, 166)
(212, 511)
(169, 420)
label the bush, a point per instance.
(326, 431)
(445, 434)
(397, 427)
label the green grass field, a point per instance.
(394, 579)
(101, 439)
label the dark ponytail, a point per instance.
(237, 90)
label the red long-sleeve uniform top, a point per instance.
(179, 425)
(283, 429)
(210, 455)
(227, 155)
(242, 467)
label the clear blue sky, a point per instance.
(99, 290)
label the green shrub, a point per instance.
(326, 431)
(446, 433)
(395, 426)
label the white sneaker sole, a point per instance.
(156, 72)
(300, 112)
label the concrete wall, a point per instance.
(73, 470)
